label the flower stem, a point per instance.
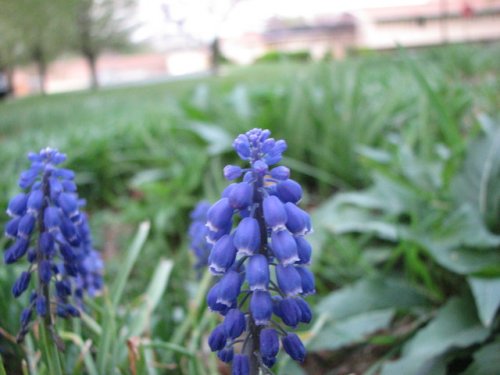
(50, 351)
(251, 346)
(47, 336)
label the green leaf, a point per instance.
(374, 293)
(351, 330)
(372, 211)
(374, 154)
(240, 102)
(462, 260)
(147, 176)
(461, 243)
(420, 173)
(387, 194)
(486, 293)
(218, 140)
(486, 360)
(291, 368)
(479, 181)
(433, 366)
(353, 219)
(350, 212)
(201, 97)
(455, 326)
(463, 227)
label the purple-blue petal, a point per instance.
(220, 215)
(307, 280)
(229, 288)
(21, 284)
(247, 236)
(294, 347)
(234, 323)
(284, 247)
(222, 255)
(26, 226)
(232, 172)
(269, 343)
(241, 365)
(261, 307)
(257, 272)
(289, 191)
(289, 280)
(241, 195)
(35, 202)
(274, 212)
(297, 219)
(304, 250)
(17, 205)
(217, 339)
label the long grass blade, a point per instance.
(152, 297)
(2, 369)
(132, 255)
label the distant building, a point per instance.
(324, 35)
(434, 22)
(431, 22)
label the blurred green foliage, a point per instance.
(284, 56)
(399, 156)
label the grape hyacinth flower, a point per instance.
(48, 228)
(198, 234)
(263, 262)
(89, 280)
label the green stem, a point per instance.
(251, 345)
(168, 346)
(107, 336)
(30, 357)
(180, 334)
(2, 369)
(50, 351)
(200, 327)
(313, 332)
(47, 337)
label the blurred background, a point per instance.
(391, 112)
(71, 45)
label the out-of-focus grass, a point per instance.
(323, 110)
(149, 152)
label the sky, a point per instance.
(246, 16)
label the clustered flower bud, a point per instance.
(61, 255)
(198, 234)
(262, 261)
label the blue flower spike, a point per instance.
(261, 256)
(47, 225)
(198, 232)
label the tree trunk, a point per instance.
(42, 72)
(215, 56)
(38, 57)
(92, 63)
(10, 79)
